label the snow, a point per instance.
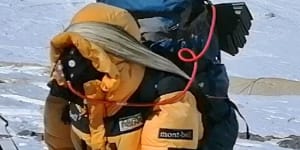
(273, 42)
(267, 115)
(249, 145)
(23, 99)
(28, 25)
(272, 49)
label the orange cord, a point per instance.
(194, 58)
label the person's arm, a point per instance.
(56, 131)
(176, 125)
(56, 120)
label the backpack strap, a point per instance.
(233, 105)
(170, 84)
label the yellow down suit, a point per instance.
(109, 126)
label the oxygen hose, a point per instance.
(192, 59)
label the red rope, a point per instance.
(193, 58)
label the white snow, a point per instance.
(252, 145)
(268, 115)
(31, 70)
(272, 48)
(23, 99)
(272, 51)
(41, 85)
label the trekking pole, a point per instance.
(6, 130)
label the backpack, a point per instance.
(168, 26)
(170, 18)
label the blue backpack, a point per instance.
(146, 9)
(165, 18)
(169, 25)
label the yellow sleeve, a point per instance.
(176, 125)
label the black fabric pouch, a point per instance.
(233, 25)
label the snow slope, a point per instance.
(271, 51)
(28, 25)
(273, 47)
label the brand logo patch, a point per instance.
(130, 122)
(179, 134)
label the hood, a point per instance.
(122, 77)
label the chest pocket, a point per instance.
(128, 118)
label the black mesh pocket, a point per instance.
(215, 81)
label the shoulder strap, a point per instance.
(170, 84)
